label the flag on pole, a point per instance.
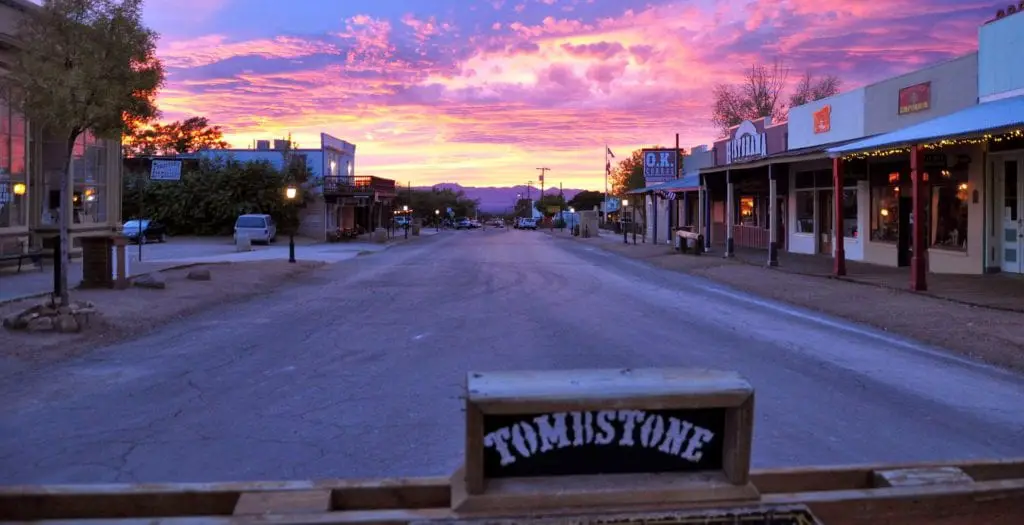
(610, 154)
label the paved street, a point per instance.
(356, 371)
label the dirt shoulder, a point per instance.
(991, 336)
(122, 314)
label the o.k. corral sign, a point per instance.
(660, 165)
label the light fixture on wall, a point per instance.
(20, 188)
(884, 212)
(962, 186)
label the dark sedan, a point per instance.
(152, 231)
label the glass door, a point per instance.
(1012, 218)
(825, 221)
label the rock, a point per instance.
(199, 274)
(66, 323)
(149, 281)
(64, 309)
(15, 322)
(40, 324)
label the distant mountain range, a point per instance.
(493, 199)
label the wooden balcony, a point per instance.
(358, 185)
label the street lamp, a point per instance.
(622, 219)
(437, 220)
(19, 189)
(290, 194)
(408, 218)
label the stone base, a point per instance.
(50, 317)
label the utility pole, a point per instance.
(542, 171)
(529, 186)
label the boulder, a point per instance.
(40, 324)
(66, 323)
(199, 274)
(15, 322)
(149, 280)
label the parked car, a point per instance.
(402, 221)
(258, 227)
(528, 224)
(462, 223)
(150, 231)
(473, 223)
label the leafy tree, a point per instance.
(178, 137)
(549, 200)
(425, 202)
(810, 89)
(629, 174)
(586, 200)
(207, 200)
(523, 208)
(83, 65)
(759, 95)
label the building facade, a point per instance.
(32, 162)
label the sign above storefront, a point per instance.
(915, 98)
(747, 143)
(660, 165)
(823, 120)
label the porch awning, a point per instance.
(685, 183)
(647, 189)
(991, 117)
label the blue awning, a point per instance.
(687, 182)
(990, 117)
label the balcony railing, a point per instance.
(335, 185)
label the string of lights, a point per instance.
(944, 143)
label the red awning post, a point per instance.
(839, 267)
(919, 261)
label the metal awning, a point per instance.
(991, 117)
(687, 182)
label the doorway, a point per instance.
(825, 222)
(1010, 180)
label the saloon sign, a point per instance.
(746, 143)
(915, 98)
(659, 165)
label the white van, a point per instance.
(257, 227)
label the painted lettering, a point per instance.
(552, 436)
(629, 419)
(701, 436)
(623, 428)
(652, 430)
(604, 422)
(676, 436)
(498, 440)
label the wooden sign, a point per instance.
(585, 438)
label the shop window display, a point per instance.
(805, 212)
(90, 180)
(949, 209)
(850, 213)
(885, 211)
(13, 179)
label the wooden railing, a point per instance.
(335, 185)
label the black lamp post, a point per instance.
(622, 213)
(290, 194)
(437, 219)
(408, 218)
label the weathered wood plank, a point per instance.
(284, 502)
(913, 477)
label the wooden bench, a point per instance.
(687, 236)
(34, 255)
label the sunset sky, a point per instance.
(483, 92)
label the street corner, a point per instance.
(43, 330)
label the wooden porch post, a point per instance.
(839, 268)
(730, 209)
(919, 262)
(773, 219)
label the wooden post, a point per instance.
(919, 262)
(121, 280)
(773, 218)
(730, 210)
(837, 228)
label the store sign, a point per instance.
(915, 98)
(659, 165)
(823, 120)
(746, 143)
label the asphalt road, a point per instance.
(356, 371)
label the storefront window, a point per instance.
(90, 180)
(948, 210)
(13, 180)
(885, 216)
(805, 212)
(850, 213)
(748, 211)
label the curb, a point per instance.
(861, 283)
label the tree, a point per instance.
(178, 137)
(549, 200)
(810, 89)
(759, 95)
(586, 200)
(629, 174)
(83, 65)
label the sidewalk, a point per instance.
(992, 335)
(32, 282)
